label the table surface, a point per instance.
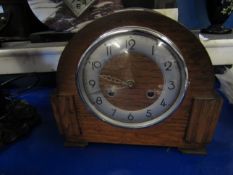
(42, 151)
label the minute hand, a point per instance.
(128, 83)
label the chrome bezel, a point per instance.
(130, 30)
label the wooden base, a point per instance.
(191, 130)
(195, 151)
(199, 151)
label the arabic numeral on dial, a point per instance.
(153, 50)
(99, 101)
(109, 50)
(130, 44)
(95, 65)
(130, 117)
(171, 85)
(148, 113)
(163, 103)
(154, 46)
(168, 65)
(114, 112)
(92, 83)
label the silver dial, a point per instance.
(132, 77)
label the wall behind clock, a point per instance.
(193, 15)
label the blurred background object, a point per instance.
(17, 20)
(226, 81)
(59, 17)
(217, 16)
(151, 4)
(165, 7)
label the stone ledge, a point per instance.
(25, 57)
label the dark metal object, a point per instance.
(42, 37)
(151, 4)
(17, 118)
(138, 3)
(216, 17)
(18, 20)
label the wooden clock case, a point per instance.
(190, 127)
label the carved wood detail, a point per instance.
(203, 119)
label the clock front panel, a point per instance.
(132, 78)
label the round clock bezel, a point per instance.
(143, 31)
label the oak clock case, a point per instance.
(141, 78)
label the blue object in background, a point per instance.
(193, 15)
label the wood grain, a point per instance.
(136, 68)
(66, 116)
(203, 119)
(184, 128)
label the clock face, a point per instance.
(132, 77)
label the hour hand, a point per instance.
(128, 83)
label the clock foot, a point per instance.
(199, 151)
(76, 144)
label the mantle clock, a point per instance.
(136, 77)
